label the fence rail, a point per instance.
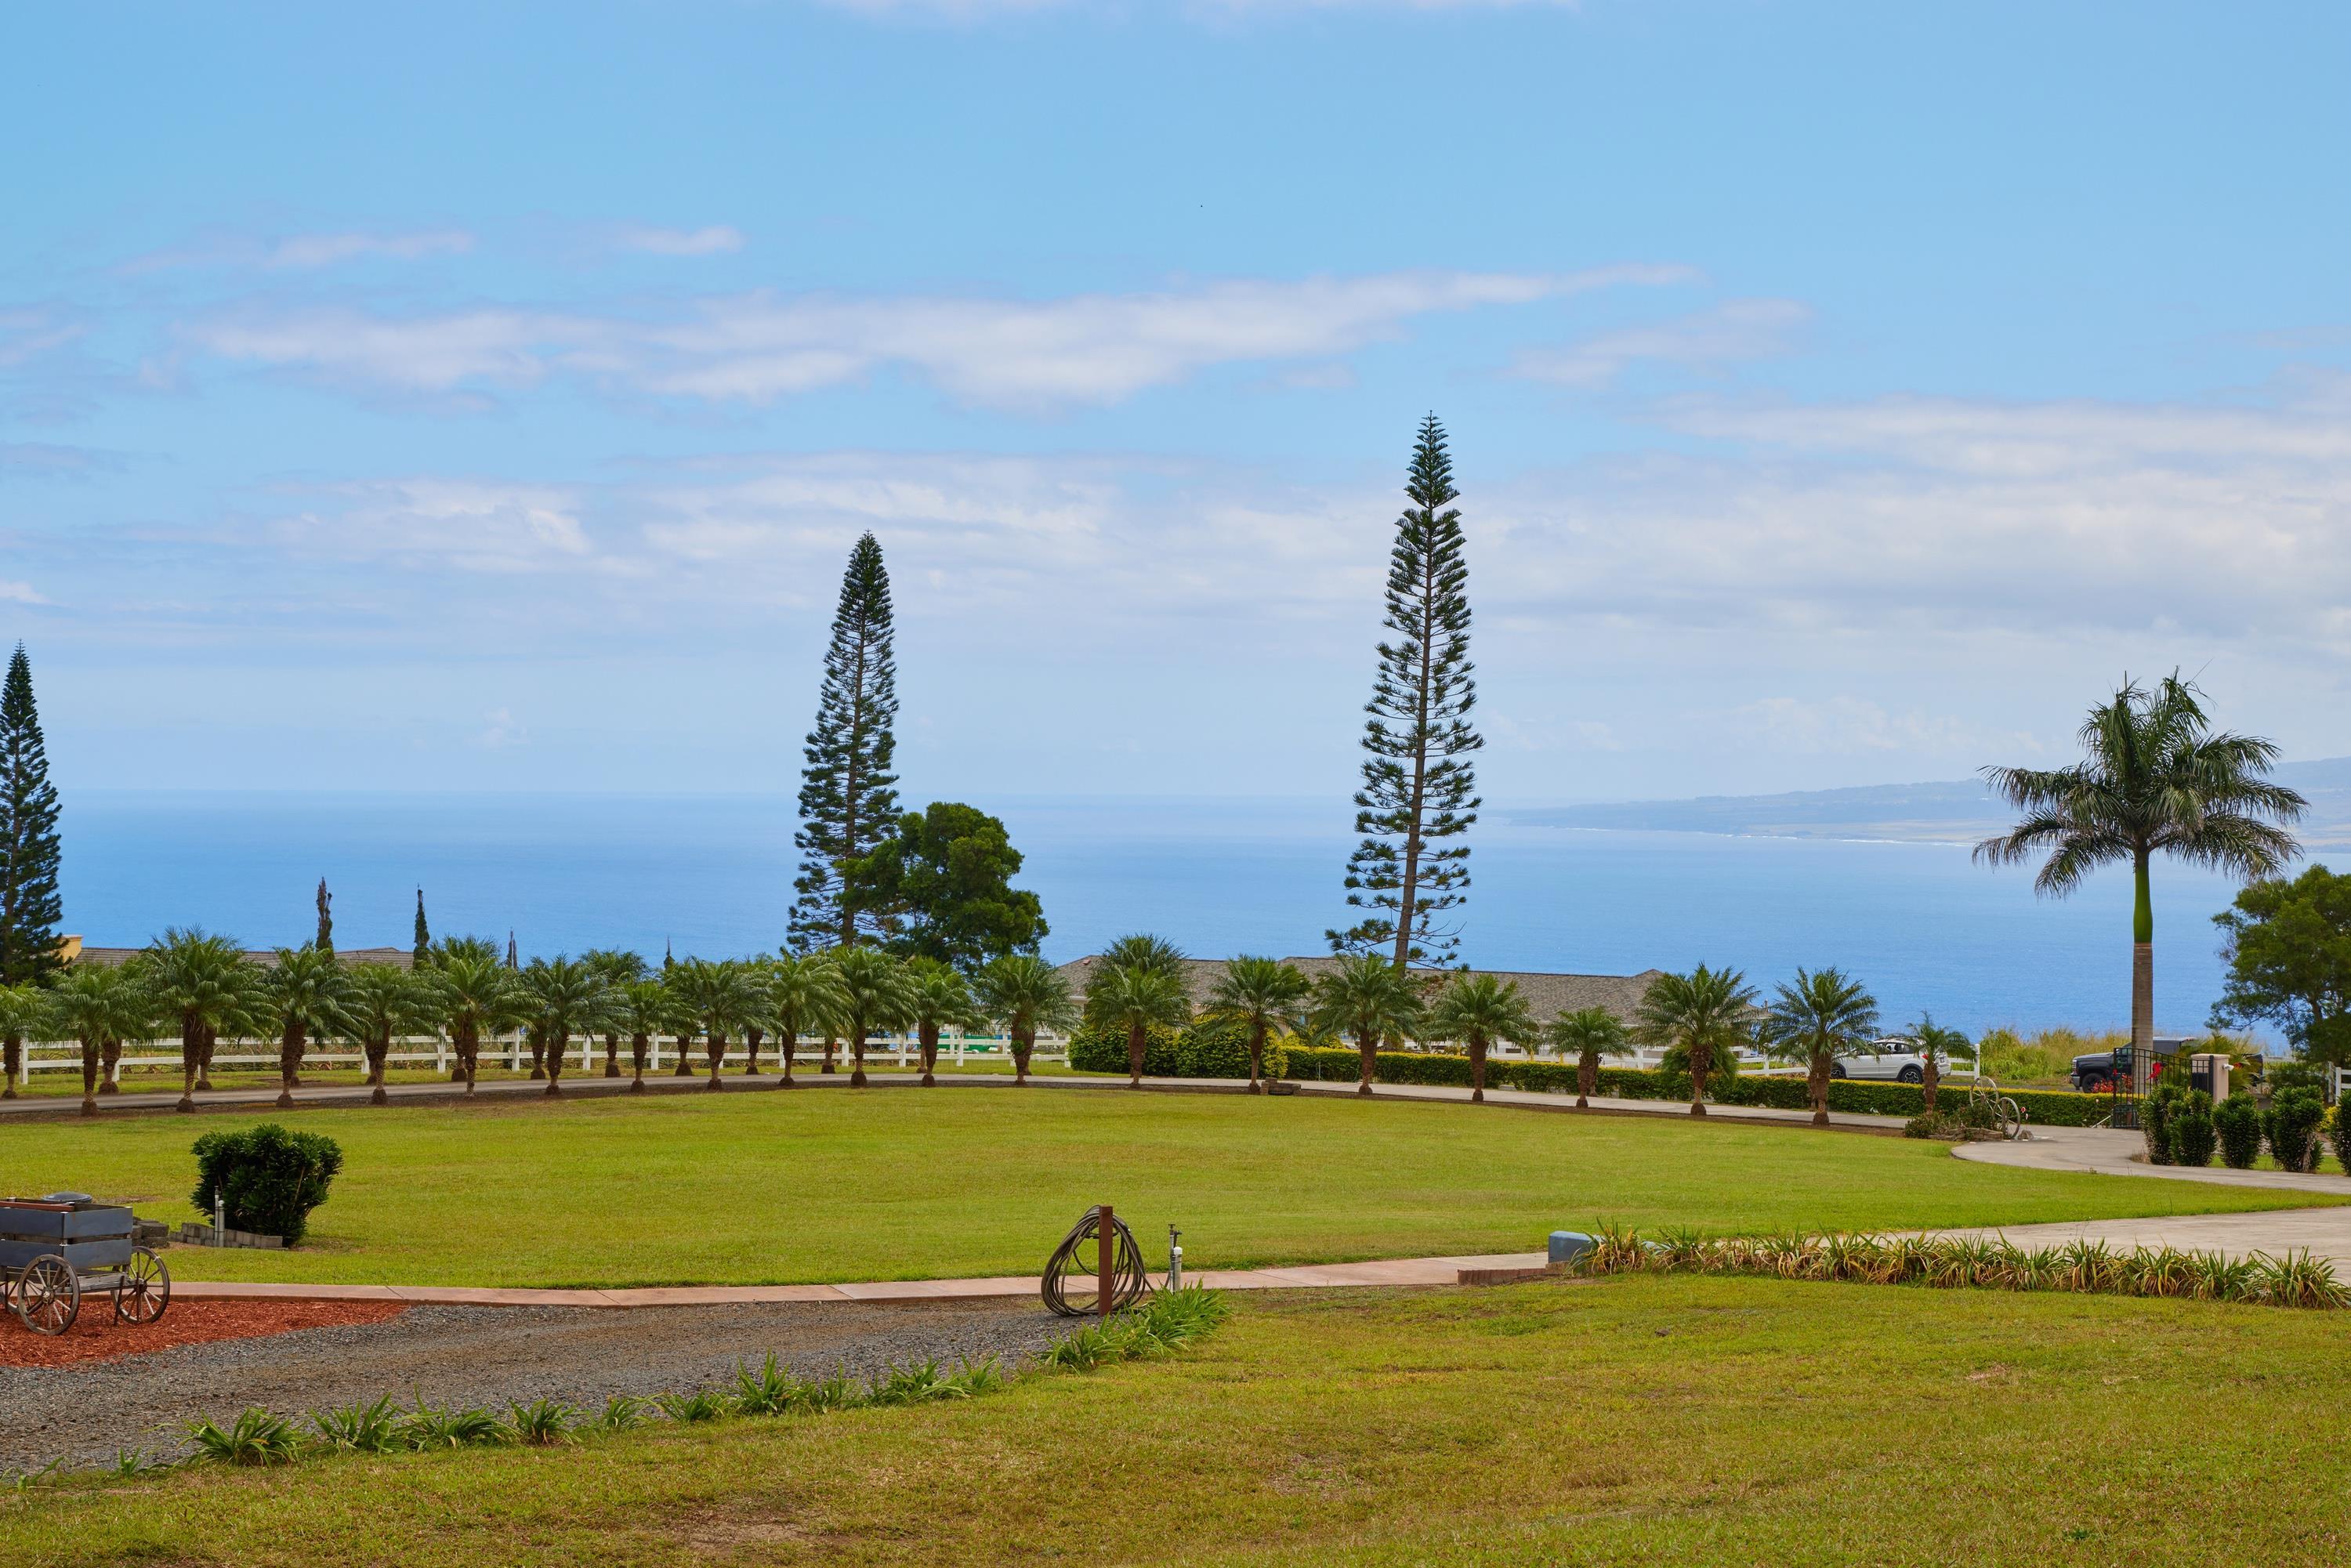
(514, 1053)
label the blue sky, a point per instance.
(1839, 393)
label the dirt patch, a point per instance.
(96, 1336)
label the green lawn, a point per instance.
(1639, 1420)
(907, 1183)
(167, 1080)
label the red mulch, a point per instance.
(97, 1336)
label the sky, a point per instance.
(486, 398)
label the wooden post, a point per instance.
(1106, 1264)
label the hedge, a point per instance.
(1205, 1050)
(269, 1179)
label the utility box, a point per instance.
(1568, 1246)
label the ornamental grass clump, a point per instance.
(254, 1437)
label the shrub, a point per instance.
(2192, 1131)
(1093, 1049)
(2155, 1114)
(269, 1179)
(1219, 1048)
(2339, 1133)
(1937, 1124)
(2291, 1125)
(2238, 1121)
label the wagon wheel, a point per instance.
(48, 1296)
(143, 1288)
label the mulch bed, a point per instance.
(96, 1336)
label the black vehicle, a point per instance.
(2095, 1073)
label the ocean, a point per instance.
(1924, 928)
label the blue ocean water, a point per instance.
(712, 874)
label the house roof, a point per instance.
(400, 957)
(1548, 993)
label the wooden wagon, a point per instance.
(55, 1250)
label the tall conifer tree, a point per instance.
(1420, 783)
(326, 937)
(30, 906)
(848, 804)
(421, 953)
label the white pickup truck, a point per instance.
(1894, 1059)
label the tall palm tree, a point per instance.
(642, 1009)
(24, 1012)
(1024, 994)
(804, 996)
(100, 1005)
(379, 1003)
(1265, 994)
(1705, 1012)
(1937, 1044)
(937, 997)
(874, 996)
(619, 969)
(205, 980)
(721, 998)
(563, 996)
(1134, 997)
(1820, 1015)
(471, 994)
(303, 999)
(1478, 1010)
(1367, 996)
(1590, 1033)
(2154, 778)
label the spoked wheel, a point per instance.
(143, 1289)
(48, 1296)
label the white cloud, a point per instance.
(305, 252)
(1850, 724)
(467, 526)
(27, 334)
(1735, 330)
(717, 239)
(20, 593)
(1079, 348)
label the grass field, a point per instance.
(1640, 1421)
(167, 1080)
(906, 1184)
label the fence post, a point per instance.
(1106, 1266)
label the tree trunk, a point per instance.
(1928, 1081)
(857, 1050)
(2142, 976)
(469, 1053)
(109, 1073)
(831, 1045)
(556, 1042)
(611, 1056)
(1816, 1085)
(927, 1035)
(685, 1068)
(639, 1044)
(787, 1042)
(1257, 1056)
(752, 1036)
(1367, 1046)
(90, 1049)
(12, 1062)
(1701, 1063)
(289, 1057)
(1023, 1042)
(713, 1050)
(376, 1051)
(537, 1039)
(192, 1056)
(1477, 1072)
(1587, 1078)
(1136, 1044)
(206, 1040)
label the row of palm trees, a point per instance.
(203, 987)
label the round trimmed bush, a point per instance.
(268, 1179)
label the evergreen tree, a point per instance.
(847, 803)
(30, 907)
(423, 948)
(325, 940)
(1419, 792)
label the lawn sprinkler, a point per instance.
(1175, 1260)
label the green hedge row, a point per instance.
(1197, 1050)
(1780, 1093)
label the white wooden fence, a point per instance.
(512, 1052)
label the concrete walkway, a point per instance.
(2102, 1152)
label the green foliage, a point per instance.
(1420, 783)
(420, 950)
(2289, 949)
(1133, 999)
(2291, 1125)
(254, 1437)
(1479, 1011)
(269, 1178)
(2238, 1122)
(697, 1406)
(359, 1428)
(942, 884)
(2193, 1132)
(848, 802)
(30, 904)
(1708, 1013)
(432, 1426)
(541, 1424)
(2155, 1120)
(1101, 1048)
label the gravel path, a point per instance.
(481, 1356)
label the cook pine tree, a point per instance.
(1411, 872)
(30, 906)
(848, 801)
(422, 952)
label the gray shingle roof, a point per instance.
(401, 957)
(1548, 994)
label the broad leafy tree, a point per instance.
(875, 997)
(1708, 1013)
(2154, 778)
(1025, 996)
(849, 799)
(937, 998)
(1419, 794)
(1588, 1034)
(100, 1006)
(1369, 998)
(1819, 1016)
(30, 904)
(204, 982)
(303, 998)
(1264, 995)
(1481, 1011)
(2288, 945)
(942, 883)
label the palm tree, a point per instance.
(1367, 996)
(564, 997)
(619, 969)
(206, 980)
(100, 1005)
(1478, 1010)
(1142, 951)
(1024, 994)
(24, 1012)
(302, 999)
(643, 1008)
(2154, 778)
(1703, 1011)
(1590, 1033)
(1820, 1015)
(1937, 1044)
(720, 997)
(804, 996)
(1134, 997)
(875, 997)
(473, 993)
(937, 997)
(1265, 994)
(379, 1002)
